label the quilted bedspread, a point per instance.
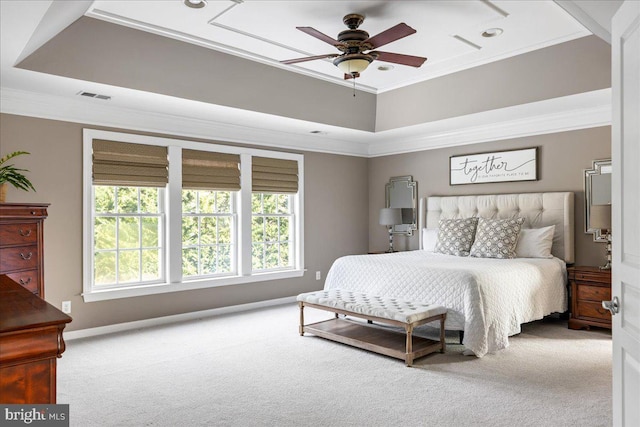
(487, 298)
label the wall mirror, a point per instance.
(597, 199)
(402, 192)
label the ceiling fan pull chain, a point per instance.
(354, 87)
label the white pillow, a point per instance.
(429, 239)
(535, 242)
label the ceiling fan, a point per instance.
(354, 44)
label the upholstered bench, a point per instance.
(388, 311)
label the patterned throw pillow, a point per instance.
(496, 238)
(455, 236)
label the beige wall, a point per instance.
(336, 201)
(562, 159)
(577, 66)
(343, 195)
(99, 51)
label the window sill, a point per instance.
(162, 288)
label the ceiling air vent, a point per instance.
(94, 95)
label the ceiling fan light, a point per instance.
(355, 63)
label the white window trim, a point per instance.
(173, 221)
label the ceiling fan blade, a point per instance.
(320, 36)
(398, 58)
(309, 58)
(392, 34)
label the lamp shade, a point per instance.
(390, 216)
(600, 217)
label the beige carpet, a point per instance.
(253, 369)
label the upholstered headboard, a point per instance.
(538, 209)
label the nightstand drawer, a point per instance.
(589, 276)
(592, 310)
(593, 293)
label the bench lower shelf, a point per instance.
(367, 337)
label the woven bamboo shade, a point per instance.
(203, 170)
(126, 164)
(274, 175)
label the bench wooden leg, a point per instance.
(409, 353)
(301, 328)
(443, 344)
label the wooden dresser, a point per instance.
(589, 287)
(30, 342)
(21, 244)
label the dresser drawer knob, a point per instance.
(33, 212)
(25, 282)
(25, 233)
(26, 257)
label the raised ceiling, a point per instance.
(449, 33)
(264, 31)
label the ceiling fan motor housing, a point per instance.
(353, 20)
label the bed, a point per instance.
(487, 298)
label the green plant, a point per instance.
(12, 175)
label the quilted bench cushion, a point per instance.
(369, 305)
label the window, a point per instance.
(163, 215)
(271, 231)
(207, 233)
(128, 224)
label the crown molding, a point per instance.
(573, 112)
(88, 112)
(580, 111)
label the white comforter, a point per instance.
(487, 298)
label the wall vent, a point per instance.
(94, 95)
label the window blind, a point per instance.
(203, 170)
(274, 175)
(126, 164)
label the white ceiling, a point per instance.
(448, 32)
(250, 29)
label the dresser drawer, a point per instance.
(10, 210)
(19, 258)
(19, 234)
(593, 293)
(29, 279)
(593, 310)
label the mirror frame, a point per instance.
(599, 167)
(411, 186)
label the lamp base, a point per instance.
(390, 250)
(607, 265)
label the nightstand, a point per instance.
(589, 287)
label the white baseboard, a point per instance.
(147, 323)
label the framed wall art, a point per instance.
(497, 166)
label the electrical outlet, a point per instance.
(317, 275)
(66, 307)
